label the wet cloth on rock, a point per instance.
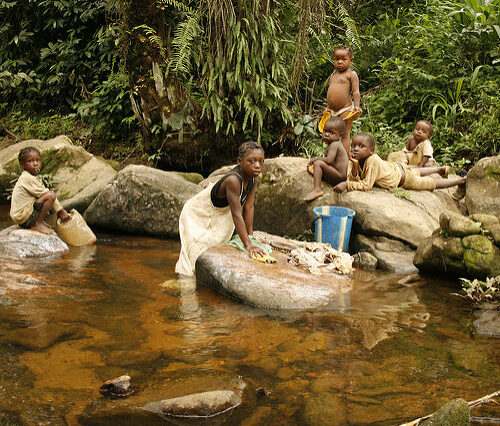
(236, 242)
(320, 258)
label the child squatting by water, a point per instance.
(368, 169)
(31, 200)
(333, 166)
(210, 217)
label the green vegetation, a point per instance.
(481, 291)
(184, 82)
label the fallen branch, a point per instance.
(471, 404)
(11, 134)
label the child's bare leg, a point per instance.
(346, 137)
(426, 171)
(331, 174)
(447, 183)
(47, 201)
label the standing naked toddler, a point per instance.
(343, 83)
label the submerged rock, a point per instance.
(77, 175)
(17, 242)
(454, 413)
(204, 404)
(487, 321)
(119, 387)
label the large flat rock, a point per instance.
(16, 242)
(483, 187)
(277, 286)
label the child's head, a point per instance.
(423, 130)
(342, 58)
(362, 146)
(30, 159)
(251, 158)
(333, 130)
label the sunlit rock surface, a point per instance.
(77, 176)
(142, 200)
(20, 243)
(483, 187)
(279, 285)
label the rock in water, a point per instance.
(204, 404)
(17, 242)
(454, 413)
(120, 387)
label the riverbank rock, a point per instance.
(142, 200)
(16, 242)
(487, 321)
(464, 246)
(77, 175)
(276, 286)
(483, 187)
(454, 413)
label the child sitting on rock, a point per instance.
(333, 166)
(368, 169)
(31, 200)
(210, 217)
(343, 83)
(418, 151)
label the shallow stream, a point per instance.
(392, 353)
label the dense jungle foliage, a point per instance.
(182, 83)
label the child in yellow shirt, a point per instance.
(31, 200)
(368, 169)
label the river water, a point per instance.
(392, 353)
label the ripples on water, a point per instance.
(68, 323)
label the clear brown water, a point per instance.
(71, 322)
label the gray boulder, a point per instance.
(16, 242)
(141, 199)
(364, 260)
(483, 187)
(77, 175)
(391, 255)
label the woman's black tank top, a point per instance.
(222, 202)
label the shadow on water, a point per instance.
(384, 353)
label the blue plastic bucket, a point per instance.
(333, 225)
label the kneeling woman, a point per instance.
(209, 218)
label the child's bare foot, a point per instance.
(44, 229)
(313, 195)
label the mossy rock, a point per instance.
(195, 178)
(485, 219)
(455, 266)
(461, 226)
(454, 413)
(481, 265)
(494, 231)
(453, 248)
(444, 221)
(478, 243)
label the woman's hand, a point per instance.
(255, 251)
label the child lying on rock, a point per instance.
(31, 200)
(368, 169)
(210, 217)
(333, 166)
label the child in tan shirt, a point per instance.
(31, 200)
(368, 169)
